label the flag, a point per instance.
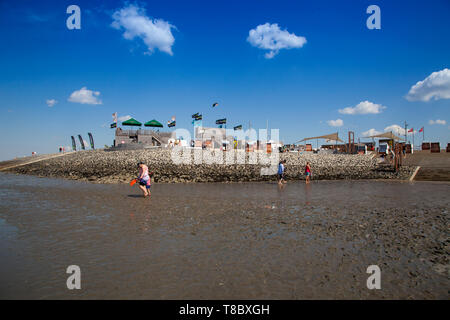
(221, 121)
(215, 104)
(114, 115)
(74, 145)
(113, 125)
(411, 130)
(81, 142)
(197, 116)
(421, 130)
(171, 123)
(239, 127)
(91, 140)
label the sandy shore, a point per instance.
(120, 166)
(224, 241)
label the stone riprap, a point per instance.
(121, 166)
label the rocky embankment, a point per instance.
(121, 166)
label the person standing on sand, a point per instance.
(144, 179)
(308, 172)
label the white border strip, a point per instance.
(414, 173)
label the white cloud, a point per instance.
(364, 107)
(51, 102)
(271, 37)
(370, 132)
(85, 96)
(438, 121)
(335, 123)
(436, 86)
(396, 129)
(156, 33)
(124, 118)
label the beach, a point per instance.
(247, 239)
(225, 159)
(101, 166)
(223, 241)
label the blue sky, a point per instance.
(299, 90)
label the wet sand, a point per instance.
(223, 241)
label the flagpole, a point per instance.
(406, 133)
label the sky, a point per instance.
(307, 68)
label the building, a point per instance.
(144, 137)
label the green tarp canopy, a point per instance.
(153, 123)
(131, 122)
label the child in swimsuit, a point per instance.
(144, 179)
(307, 172)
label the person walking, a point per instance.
(308, 172)
(280, 174)
(144, 179)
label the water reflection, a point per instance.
(307, 193)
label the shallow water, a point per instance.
(223, 241)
